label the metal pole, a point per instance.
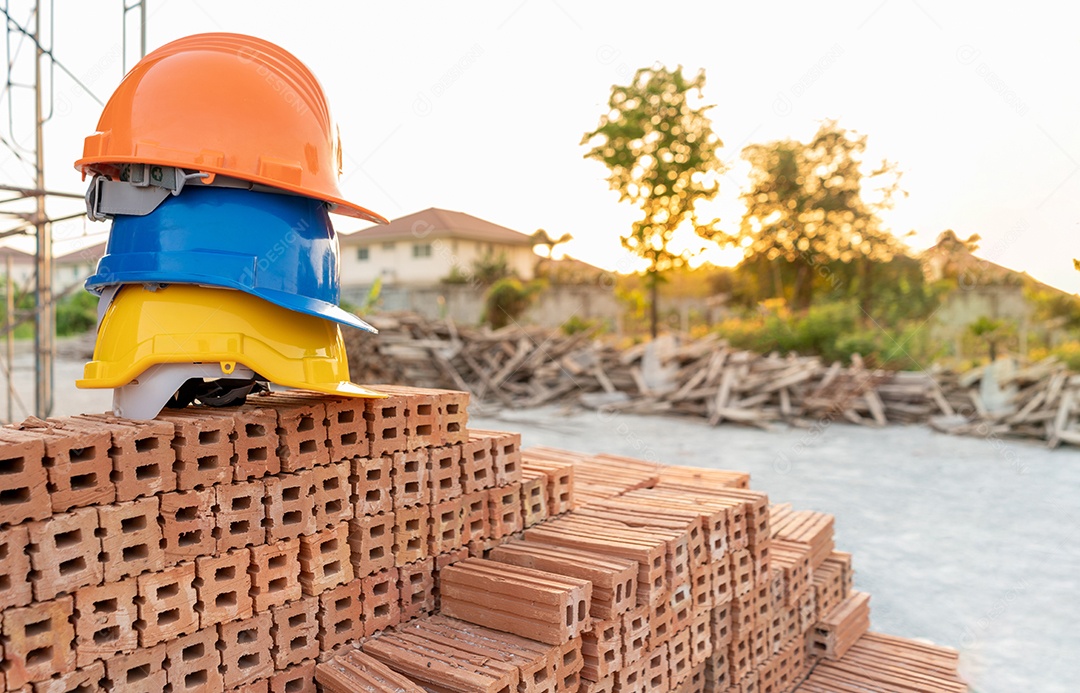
(44, 328)
(10, 320)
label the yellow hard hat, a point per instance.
(230, 331)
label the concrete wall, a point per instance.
(465, 304)
(418, 262)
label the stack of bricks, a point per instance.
(257, 549)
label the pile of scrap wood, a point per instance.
(522, 367)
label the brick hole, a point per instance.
(196, 679)
(187, 514)
(225, 573)
(276, 585)
(247, 661)
(133, 524)
(241, 503)
(82, 482)
(276, 562)
(333, 507)
(294, 685)
(14, 496)
(306, 423)
(167, 617)
(192, 652)
(135, 553)
(308, 447)
(343, 603)
(207, 462)
(298, 642)
(349, 438)
(446, 463)
(225, 599)
(343, 625)
(376, 553)
(291, 493)
(570, 615)
(292, 518)
(346, 416)
(239, 527)
(452, 408)
(389, 433)
(167, 591)
(331, 484)
(581, 610)
(389, 412)
(105, 606)
(107, 635)
(209, 437)
(37, 628)
(297, 620)
(65, 540)
(412, 487)
(540, 676)
(423, 429)
(609, 656)
(373, 495)
(569, 657)
(247, 636)
(328, 546)
(332, 568)
(189, 538)
(257, 455)
(254, 430)
(73, 565)
(446, 483)
(136, 674)
(618, 593)
(146, 444)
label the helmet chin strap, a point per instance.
(223, 392)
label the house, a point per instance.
(68, 270)
(422, 249)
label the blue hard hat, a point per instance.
(281, 248)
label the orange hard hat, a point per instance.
(224, 104)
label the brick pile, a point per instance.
(303, 543)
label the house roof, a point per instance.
(89, 254)
(438, 223)
(17, 256)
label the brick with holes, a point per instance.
(505, 454)
(372, 484)
(371, 543)
(720, 629)
(340, 615)
(77, 464)
(443, 561)
(295, 631)
(204, 449)
(635, 633)
(477, 470)
(325, 560)
(504, 510)
(222, 584)
(568, 664)
(141, 453)
(301, 429)
(475, 524)
(106, 617)
(239, 514)
(409, 478)
(142, 671)
(601, 649)
(88, 679)
(37, 641)
(701, 644)
(679, 657)
(416, 588)
(15, 587)
(447, 519)
(411, 534)
(423, 414)
(290, 505)
(275, 574)
(346, 428)
(65, 553)
(682, 606)
(24, 493)
(333, 494)
(187, 524)
(657, 672)
(455, 415)
(632, 676)
(386, 426)
(245, 649)
(444, 473)
(380, 608)
(560, 479)
(660, 623)
(255, 442)
(534, 501)
(167, 603)
(130, 538)
(297, 678)
(193, 662)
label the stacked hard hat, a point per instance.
(217, 161)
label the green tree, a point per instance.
(507, 300)
(805, 208)
(662, 156)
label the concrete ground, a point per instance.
(965, 542)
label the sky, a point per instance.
(480, 107)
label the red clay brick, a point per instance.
(443, 561)
(411, 534)
(187, 524)
(372, 484)
(141, 453)
(534, 503)
(346, 428)
(720, 580)
(295, 632)
(222, 584)
(339, 615)
(23, 482)
(255, 443)
(569, 664)
(65, 553)
(105, 620)
(245, 653)
(77, 463)
(477, 470)
(444, 473)
(290, 505)
(386, 426)
(475, 524)
(142, 671)
(239, 514)
(682, 606)
(325, 560)
(455, 415)
(660, 623)
(504, 510)
(601, 649)
(275, 574)
(38, 641)
(720, 624)
(701, 645)
(14, 567)
(742, 572)
(193, 662)
(333, 494)
(409, 478)
(88, 679)
(505, 454)
(371, 543)
(380, 607)
(657, 673)
(679, 652)
(203, 447)
(416, 586)
(447, 520)
(130, 538)
(298, 678)
(423, 414)
(301, 430)
(167, 604)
